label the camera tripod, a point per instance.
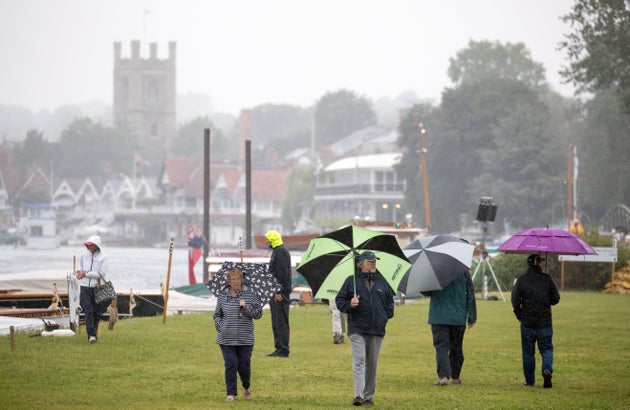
(484, 262)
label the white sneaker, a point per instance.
(92, 340)
(442, 382)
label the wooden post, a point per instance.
(248, 194)
(12, 333)
(561, 275)
(73, 327)
(168, 277)
(425, 183)
(570, 188)
(206, 201)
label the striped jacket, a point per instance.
(231, 329)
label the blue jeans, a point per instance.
(91, 310)
(237, 359)
(448, 341)
(529, 338)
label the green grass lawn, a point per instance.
(144, 363)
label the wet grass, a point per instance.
(144, 363)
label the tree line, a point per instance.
(499, 130)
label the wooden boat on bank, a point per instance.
(49, 290)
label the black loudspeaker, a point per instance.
(486, 212)
(492, 212)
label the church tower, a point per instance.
(144, 98)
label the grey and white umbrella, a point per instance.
(436, 261)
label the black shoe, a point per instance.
(547, 377)
(368, 402)
(357, 401)
(278, 354)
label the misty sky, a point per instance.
(243, 53)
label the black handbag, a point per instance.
(105, 292)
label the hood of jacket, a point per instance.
(96, 240)
(274, 238)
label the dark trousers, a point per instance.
(448, 341)
(529, 338)
(91, 310)
(280, 325)
(237, 359)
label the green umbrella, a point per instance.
(331, 258)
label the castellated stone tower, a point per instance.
(144, 98)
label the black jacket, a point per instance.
(532, 297)
(280, 268)
(375, 308)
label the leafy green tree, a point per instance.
(484, 60)
(190, 140)
(90, 148)
(277, 129)
(34, 149)
(340, 113)
(417, 118)
(491, 136)
(602, 149)
(299, 195)
(523, 169)
(598, 47)
(279, 121)
(490, 140)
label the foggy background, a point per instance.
(238, 54)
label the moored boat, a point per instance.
(49, 290)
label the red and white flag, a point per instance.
(138, 159)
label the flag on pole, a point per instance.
(196, 241)
(138, 159)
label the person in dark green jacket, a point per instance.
(451, 309)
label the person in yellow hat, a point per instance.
(577, 228)
(280, 268)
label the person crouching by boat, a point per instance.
(93, 261)
(236, 308)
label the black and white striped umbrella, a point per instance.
(436, 261)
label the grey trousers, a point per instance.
(339, 320)
(365, 352)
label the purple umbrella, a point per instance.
(548, 240)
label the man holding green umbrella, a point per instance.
(368, 300)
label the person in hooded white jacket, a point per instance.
(92, 262)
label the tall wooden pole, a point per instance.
(570, 187)
(425, 183)
(206, 202)
(168, 277)
(248, 194)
